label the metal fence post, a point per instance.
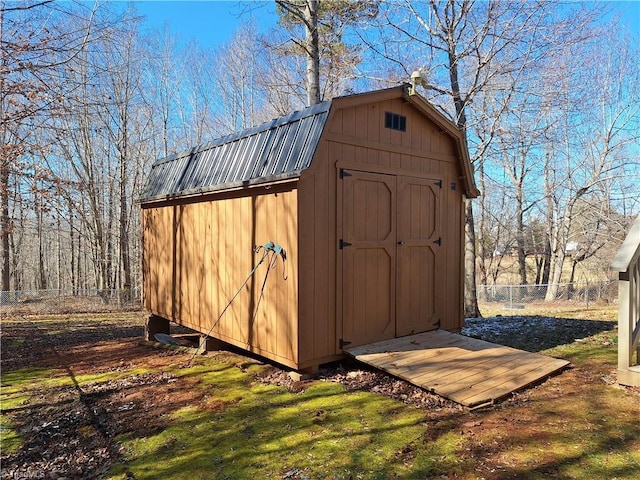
(586, 294)
(511, 296)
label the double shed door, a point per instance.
(390, 259)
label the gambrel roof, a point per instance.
(273, 151)
(277, 150)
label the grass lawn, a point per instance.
(154, 414)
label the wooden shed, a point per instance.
(364, 192)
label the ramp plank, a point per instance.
(466, 370)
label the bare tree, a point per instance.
(123, 120)
(306, 12)
(237, 80)
(98, 131)
(328, 58)
(163, 82)
(476, 58)
(468, 49)
(197, 102)
(598, 127)
(517, 152)
(35, 39)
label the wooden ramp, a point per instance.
(466, 370)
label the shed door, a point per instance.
(369, 257)
(417, 255)
(390, 230)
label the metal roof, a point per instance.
(273, 151)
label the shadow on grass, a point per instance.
(576, 435)
(270, 433)
(213, 420)
(534, 333)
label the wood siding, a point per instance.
(356, 139)
(196, 256)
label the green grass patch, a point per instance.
(15, 391)
(594, 312)
(263, 431)
(24, 377)
(598, 350)
(18, 385)
(10, 440)
(127, 318)
(589, 352)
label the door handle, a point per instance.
(401, 242)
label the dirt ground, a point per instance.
(70, 430)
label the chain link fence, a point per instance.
(520, 297)
(510, 297)
(38, 302)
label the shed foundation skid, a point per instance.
(210, 344)
(155, 324)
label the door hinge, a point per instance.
(438, 183)
(344, 173)
(343, 343)
(344, 244)
(438, 241)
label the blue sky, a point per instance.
(213, 22)
(210, 22)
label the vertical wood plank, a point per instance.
(349, 121)
(374, 122)
(306, 246)
(362, 121)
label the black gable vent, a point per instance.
(395, 121)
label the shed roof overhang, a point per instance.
(223, 188)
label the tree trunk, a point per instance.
(5, 228)
(470, 292)
(72, 241)
(123, 226)
(548, 185)
(5, 224)
(471, 309)
(482, 222)
(558, 253)
(546, 266)
(313, 52)
(42, 269)
(570, 287)
(522, 254)
(554, 281)
(16, 271)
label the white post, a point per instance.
(624, 324)
(627, 263)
